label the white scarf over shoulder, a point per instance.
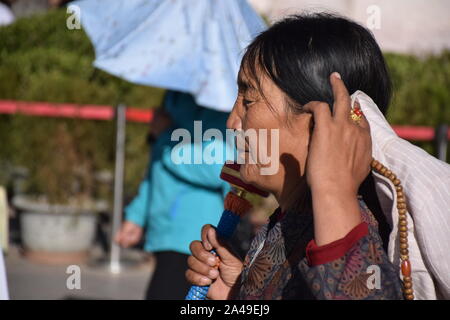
(426, 185)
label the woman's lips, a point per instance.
(246, 145)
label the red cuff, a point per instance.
(320, 255)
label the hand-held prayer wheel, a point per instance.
(237, 203)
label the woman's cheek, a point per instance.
(249, 173)
(302, 150)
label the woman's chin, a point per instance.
(250, 174)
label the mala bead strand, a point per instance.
(402, 228)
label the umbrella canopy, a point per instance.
(193, 46)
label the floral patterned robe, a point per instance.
(285, 263)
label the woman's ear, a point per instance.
(300, 127)
(303, 122)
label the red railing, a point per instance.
(103, 112)
(66, 110)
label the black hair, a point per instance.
(300, 52)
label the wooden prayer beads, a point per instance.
(402, 228)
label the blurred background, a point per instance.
(58, 132)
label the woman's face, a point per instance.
(253, 110)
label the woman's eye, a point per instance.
(247, 103)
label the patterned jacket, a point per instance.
(285, 263)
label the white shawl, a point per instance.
(426, 185)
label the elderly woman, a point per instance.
(322, 242)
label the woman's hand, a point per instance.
(129, 234)
(338, 161)
(203, 268)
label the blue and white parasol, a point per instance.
(193, 46)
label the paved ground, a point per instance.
(28, 280)
(31, 280)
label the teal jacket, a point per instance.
(175, 200)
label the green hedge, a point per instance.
(421, 92)
(41, 60)
(421, 89)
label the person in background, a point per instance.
(3, 282)
(174, 201)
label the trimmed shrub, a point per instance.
(41, 60)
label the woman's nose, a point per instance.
(234, 121)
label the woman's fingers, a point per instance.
(118, 237)
(320, 111)
(129, 234)
(201, 268)
(211, 241)
(200, 253)
(202, 265)
(205, 267)
(205, 240)
(342, 101)
(363, 123)
(196, 278)
(222, 249)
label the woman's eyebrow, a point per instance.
(243, 86)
